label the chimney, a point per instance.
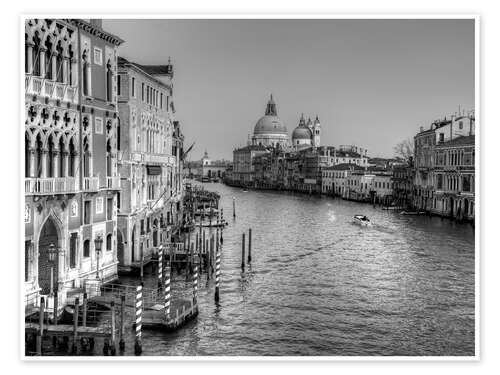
(96, 22)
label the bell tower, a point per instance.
(316, 132)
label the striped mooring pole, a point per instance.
(138, 320)
(167, 293)
(160, 268)
(217, 274)
(195, 283)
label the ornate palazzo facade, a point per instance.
(71, 178)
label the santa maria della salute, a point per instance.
(273, 160)
(270, 131)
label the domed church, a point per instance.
(270, 130)
(306, 134)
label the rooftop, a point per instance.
(468, 140)
(344, 167)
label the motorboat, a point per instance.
(362, 220)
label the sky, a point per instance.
(372, 83)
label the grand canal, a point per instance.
(320, 285)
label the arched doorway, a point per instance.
(452, 206)
(48, 236)
(119, 245)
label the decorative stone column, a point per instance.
(55, 163)
(32, 153)
(29, 57)
(74, 72)
(65, 69)
(42, 61)
(45, 153)
(65, 160)
(53, 58)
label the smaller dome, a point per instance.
(301, 132)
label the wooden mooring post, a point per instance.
(39, 334)
(249, 245)
(167, 293)
(113, 328)
(122, 323)
(84, 310)
(243, 252)
(234, 208)
(74, 348)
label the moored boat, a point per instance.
(362, 220)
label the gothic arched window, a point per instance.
(86, 74)
(36, 55)
(109, 82)
(59, 64)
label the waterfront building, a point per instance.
(381, 188)
(440, 131)
(149, 161)
(346, 154)
(402, 179)
(455, 178)
(207, 168)
(334, 181)
(71, 174)
(243, 166)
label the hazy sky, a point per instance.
(371, 82)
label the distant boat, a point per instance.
(362, 220)
(412, 213)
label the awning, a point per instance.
(154, 170)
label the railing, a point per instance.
(56, 90)
(70, 94)
(90, 184)
(54, 185)
(60, 89)
(113, 182)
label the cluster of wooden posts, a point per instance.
(79, 332)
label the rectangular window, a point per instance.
(142, 87)
(97, 56)
(118, 197)
(86, 212)
(161, 100)
(109, 209)
(98, 125)
(99, 205)
(133, 87)
(119, 85)
(72, 250)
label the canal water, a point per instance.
(320, 285)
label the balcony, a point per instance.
(54, 90)
(54, 185)
(90, 184)
(113, 183)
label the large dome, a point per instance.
(301, 132)
(269, 124)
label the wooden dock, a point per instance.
(62, 330)
(155, 318)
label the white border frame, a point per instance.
(478, 200)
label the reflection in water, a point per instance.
(320, 285)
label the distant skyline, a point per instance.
(372, 83)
